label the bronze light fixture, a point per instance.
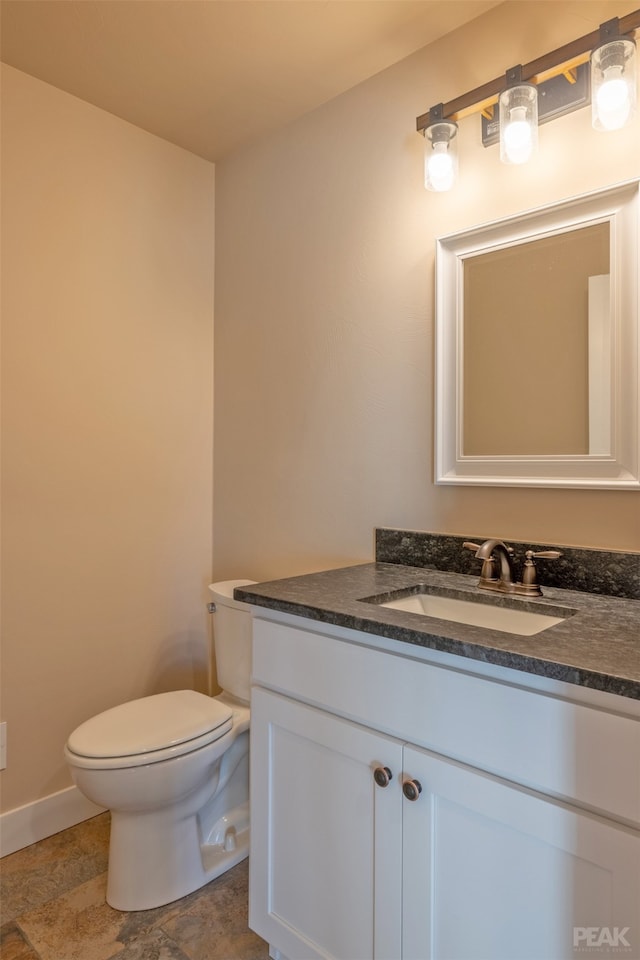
(599, 67)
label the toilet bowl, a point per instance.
(173, 769)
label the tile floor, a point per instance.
(52, 907)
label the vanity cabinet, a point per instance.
(493, 871)
(491, 854)
(327, 853)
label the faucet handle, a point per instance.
(529, 575)
(489, 566)
(468, 545)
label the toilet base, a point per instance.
(158, 856)
(145, 873)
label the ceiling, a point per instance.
(211, 75)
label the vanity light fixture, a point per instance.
(519, 119)
(613, 79)
(537, 92)
(441, 152)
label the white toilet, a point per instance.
(173, 768)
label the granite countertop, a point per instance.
(597, 646)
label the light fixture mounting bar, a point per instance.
(556, 97)
(562, 59)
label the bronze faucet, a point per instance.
(497, 568)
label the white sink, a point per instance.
(523, 622)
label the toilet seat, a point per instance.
(149, 730)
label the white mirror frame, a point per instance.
(620, 206)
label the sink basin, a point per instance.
(524, 622)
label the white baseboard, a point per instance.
(34, 821)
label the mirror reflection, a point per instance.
(536, 355)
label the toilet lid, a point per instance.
(152, 723)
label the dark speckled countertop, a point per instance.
(597, 646)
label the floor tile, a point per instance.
(13, 946)
(155, 946)
(43, 871)
(214, 925)
(81, 925)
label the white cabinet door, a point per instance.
(326, 848)
(492, 871)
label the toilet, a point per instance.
(173, 769)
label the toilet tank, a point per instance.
(232, 638)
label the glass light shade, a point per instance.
(518, 123)
(441, 155)
(613, 84)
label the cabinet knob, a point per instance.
(382, 776)
(412, 789)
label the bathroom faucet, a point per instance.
(497, 568)
(491, 547)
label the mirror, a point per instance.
(537, 347)
(524, 344)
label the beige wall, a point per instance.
(107, 302)
(324, 311)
